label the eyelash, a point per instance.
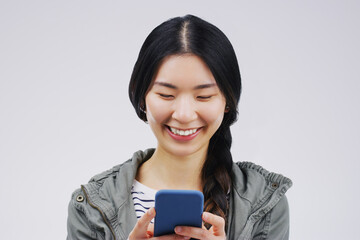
(204, 97)
(171, 96)
(165, 96)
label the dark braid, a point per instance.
(217, 173)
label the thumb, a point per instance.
(141, 227)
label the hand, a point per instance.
(145, 230)
(216, 232)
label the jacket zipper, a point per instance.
(102, 214)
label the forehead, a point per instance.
(184, 70)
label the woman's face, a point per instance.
(184, 105)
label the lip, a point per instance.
(182, 138)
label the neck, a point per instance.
(166, 171)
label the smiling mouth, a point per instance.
(181, 132)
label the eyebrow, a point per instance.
(201, 86)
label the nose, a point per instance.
(184, 110)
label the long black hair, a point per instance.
(192, 35)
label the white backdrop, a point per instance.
(65, 114)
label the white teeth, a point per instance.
(182, 132)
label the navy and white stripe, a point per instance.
(143, 198)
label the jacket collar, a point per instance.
(126, 176)
(110, 192)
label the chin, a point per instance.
(183, 151)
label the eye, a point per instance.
(165, 96)
(204, 97)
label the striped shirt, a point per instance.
(143, 198)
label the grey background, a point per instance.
(65, 114)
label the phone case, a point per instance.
(177, 208)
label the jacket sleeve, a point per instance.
(275, 224)
(78, 226)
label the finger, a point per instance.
(151, 227)
(145, 220)
(172, 237)
(193, 232)
(203, 226)
(141, 227)
(150, 230)
(217, 222)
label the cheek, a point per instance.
(155, 110)
(213, 113)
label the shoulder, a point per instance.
(79, 215)
(259, 202)
(102, 196)
(118, 178)
(253, 182)
(122, 174)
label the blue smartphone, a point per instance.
(177, 208)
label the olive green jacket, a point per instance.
(103, 208)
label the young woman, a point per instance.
(186, 85)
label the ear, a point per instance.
(143, 106)
(227, 109)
